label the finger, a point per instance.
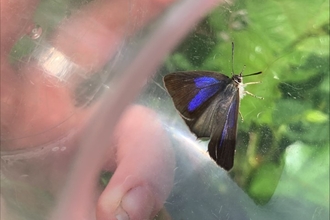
(145, 171)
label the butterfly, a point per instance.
(209, 104)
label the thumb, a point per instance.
(145, 171)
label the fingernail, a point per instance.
(139, 203)
(121, 214)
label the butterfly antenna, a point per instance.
(242, 70)
(232, 58)
(252, 74)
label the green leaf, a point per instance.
(264, 182)
(316, 116)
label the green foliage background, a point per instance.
(283, 144)
(283, 148)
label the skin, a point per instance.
(34, 113)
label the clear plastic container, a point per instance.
(88, 129)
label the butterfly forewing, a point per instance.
(193, 94)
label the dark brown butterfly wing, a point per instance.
(223, 140)
(194, 96)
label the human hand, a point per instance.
(34, 112)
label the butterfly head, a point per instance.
(238, 79)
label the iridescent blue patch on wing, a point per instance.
(207, 86)
(205, 81)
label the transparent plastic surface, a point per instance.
(89, 132)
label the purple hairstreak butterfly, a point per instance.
(209, 104)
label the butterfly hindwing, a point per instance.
(223, 140)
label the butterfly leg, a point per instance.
(251, 83)
(253, 95)
(240, 114)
